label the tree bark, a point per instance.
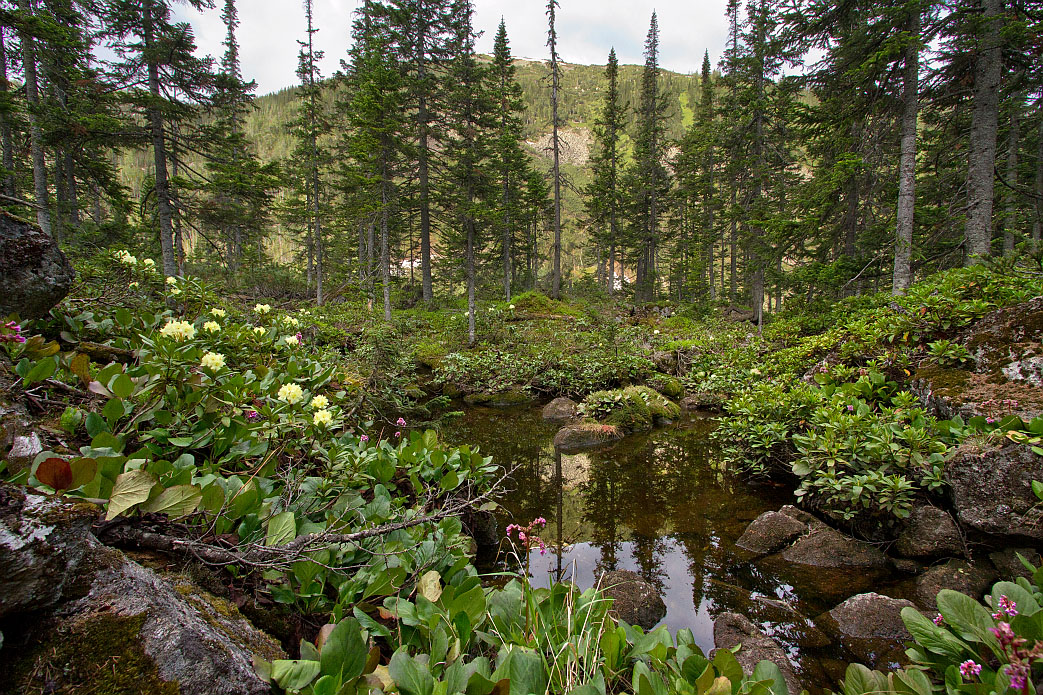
(159, 146)
(1010, 215)
(32, 97)
(6, 137)
(984, 125)
(903, 274)
(1037, 224)
(556, 145)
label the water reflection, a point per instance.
(659, 504)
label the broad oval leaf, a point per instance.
(55, 473)
(282, 528)
(131, 488)
(176, 501)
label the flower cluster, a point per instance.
(291, 321)
(291, 393)
(262, 308)
(15, 335)
(148, 264)
(171, 280)
(322, 418)
(178, 330)
(218, 313)
(292, 340)
(1020, 659)
(212, 327)
(213, 361)
(258, 330)
(1007, 609)
(319, 402)
(969, 668)
(126, 258)
(527, 534)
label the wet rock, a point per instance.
(931, 533)
(503, 399)
(732, 629)
(43, 541)
(34, 273)
(702, 400)
(452, 390)
(802, 516)
(585, 435)
(870, 626)
(825, 547)
(770, 532)
(24, 449)
(1009, 566)
(109, 621)
(634, 600)
(560, 410)
(907, 566)
(991, 489)
(958, 575)
(484, 529)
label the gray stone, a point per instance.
(769, 532)
(560, 410)
(991, 489)
(1008, 565)
(634, 600)
(24, 449)
(827, 548)
(665, 361)
(931, 533)
(34, 273)
(584, 435)
(870, 626)
(958, 575)
(731, 630)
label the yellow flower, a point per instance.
(178, 330)
(322, 418)
(211, 327)
(290, 321)
(291, 393)
(263, 308)
(125, 258)
(214, 361)
(148, 263)
(219, 313)
(320, 402)
(755, 372)
(171, 280)
(259, 331)
(175, 291)
(292, 340)
(133, 285)
(511, 306)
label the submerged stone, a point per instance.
(770, 532)
(731, 630)
(634, 600)
(870, 626)
(560, 410)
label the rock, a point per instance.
(870, 626)
(584, 435)
(991, 489)
(669, 386)
(958, 575)
(452, 390)
(634, 600)
(770, 532)
(560, 410)
(112, 623)
(34, 273)
(503, 399)
(43, 541)
(13, 422)
(931, 533)
(802, 516)
(665, 361)
(484, 529)
(703, 400)
(907, 566)
(732, 629)
(1008, 565)
(825, 547)
(24, 449)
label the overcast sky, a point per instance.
(269, 30)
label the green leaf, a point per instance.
(122, 386)
(344, 653)
(294, 674)
(769, 671)
(969, 618)
(911, 682)
(176, 501)
(526, 670)
(44, 369)
(859, 680)
(180, 441)
(113, 410)
(282, 528)
(411, 677)
(131, 488)
(95, 424)
(931, 637)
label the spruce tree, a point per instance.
(555, 82)
(604, 194)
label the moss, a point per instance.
(633, 409)
(945, 382)
(223, 615)
(499, 400)
(101, 653)
(429, 354)
(669, 386)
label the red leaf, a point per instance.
(55, 473)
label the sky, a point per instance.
(269, 30)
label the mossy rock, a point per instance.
(502, 399)
(585, 435)
(428, 354)
(669, 386)
(452, 390)
(633, 409)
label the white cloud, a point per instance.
(269, 30)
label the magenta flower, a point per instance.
(1007, 606)
(851, 409)
(300, 338)
(1018, 674)
(252, 415)
(968, 668)
(364, 438)
(398, 434)
(401, 422)
(939, 620)
(1003, 633)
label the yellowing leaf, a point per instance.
(131, 488)
(176, 501)
(430, 586)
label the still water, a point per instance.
(662, 505)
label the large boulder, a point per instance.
(870, 626)
(501, 399)
(634, 600)
(991, 489)
(34, 273)
(731, 630)
(102, 619)
(560, 410)
(770, 532)
(931, 533)
(958, 575)
(1008, 564)
(585, 435)
(830, 549)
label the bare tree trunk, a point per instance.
(556, 170)
(984, 125)
(385, 259)
(6, 137)
(159, 146)
(32, 97)
(903, 274)
(734, 246)
(1037, 224)
(469, 225)
(1011, 195)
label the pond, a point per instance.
(662, 505)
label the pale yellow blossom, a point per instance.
(292, 340)
(178, 330)
(212, 327)
(171, 280)
(322, 418)
(319, 402)
(262, 308)
(214, 361)
(219, 313)
(291, 393)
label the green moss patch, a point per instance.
(633, 409)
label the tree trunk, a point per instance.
(6, 137)
(32, 97)
(903, 274)
(555, 143)
(1011, 196)
(385, 259)
(159, 146)
(984, 124)
(734, 246)
(469, 225)
(1037, 224)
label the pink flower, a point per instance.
(252, 415)
(1018, 674)
(1003, 633)
(539, 521)
(968, 668)
(364, 438)
(401, 422)
(398, 434)
(300, 338)
(1007, 606)
(521, 536)
(939, 620)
